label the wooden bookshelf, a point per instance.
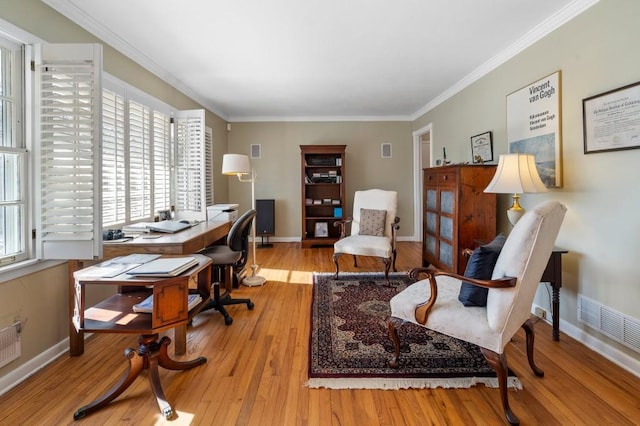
(323, 194)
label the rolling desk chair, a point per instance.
(229, 261)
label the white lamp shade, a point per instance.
(236, 164)
(516, 174)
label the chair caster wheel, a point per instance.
(228, 320)
(250, 306)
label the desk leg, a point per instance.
(149, 356)
(76, 338)
(555, 311)
(180, 335)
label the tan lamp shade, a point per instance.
(516, 174)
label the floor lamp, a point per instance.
(238, 165)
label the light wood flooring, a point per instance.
(257, 368)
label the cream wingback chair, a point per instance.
(373, 229)
(433, 302)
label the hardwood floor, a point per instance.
(257, 368)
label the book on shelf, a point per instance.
(164, 267)
(146, 306)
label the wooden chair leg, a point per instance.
(387, 266)
(528, 329)
(499, 364)
(335, 260)
(355, 261)
(393, 324)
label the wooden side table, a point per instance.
(116, 315)
(553, 275)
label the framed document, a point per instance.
(322, 229)
(534, 126)
(611, 120)
(482, 147)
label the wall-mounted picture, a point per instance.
(611, 120)
(534, 126)
(482, 148)
(322, 229)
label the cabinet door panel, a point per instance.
(446, 228)
(446, 202)
(446, 254)
(432, 220)
(432, 199)
(430, 245)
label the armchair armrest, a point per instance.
(343, 225)
(394, 229)
(422, 311)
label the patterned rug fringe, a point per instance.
(407, 383)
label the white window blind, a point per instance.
(114, 197)
(191, 201)
(208, 160)
(139, 161)
(161, 161)
(68, 134)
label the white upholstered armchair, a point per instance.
(373, 229)
(433, 302)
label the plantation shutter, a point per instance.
(114, 184)
(67, 135)
(161, 161)
(208, 162)
(139, 161)
(190, 165)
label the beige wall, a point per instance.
(597, 52)
(279, 168)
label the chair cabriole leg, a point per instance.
(499, 364)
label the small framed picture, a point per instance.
(482, 148)
(164, 214)
(322, 229)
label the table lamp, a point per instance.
(516, 174)
(238, 165)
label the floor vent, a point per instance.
(9, 344)
(614, 324)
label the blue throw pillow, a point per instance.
(480, 266)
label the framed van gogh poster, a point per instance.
(534, 126)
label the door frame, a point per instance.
(417, 177)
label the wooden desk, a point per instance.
(553, 275)
(116, 315)
(189, 241)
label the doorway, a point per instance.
(422, 154)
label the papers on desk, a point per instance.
(164, 267)
(146, 306)
(116, 266)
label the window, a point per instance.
(13, 164)
(75, 157)
(136, 155)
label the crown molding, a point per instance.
(73, 13)
(552, 23)
(570, 11)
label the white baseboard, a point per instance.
(31, 367)
(629, 363)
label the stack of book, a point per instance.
(146, 306)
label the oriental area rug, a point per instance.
(349, 345)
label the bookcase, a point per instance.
(323, 194)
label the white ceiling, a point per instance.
(251, 60)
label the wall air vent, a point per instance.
(256, 151)
(614, 324)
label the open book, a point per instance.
(146, 306)
(164, 267)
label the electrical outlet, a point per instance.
(541, 313)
